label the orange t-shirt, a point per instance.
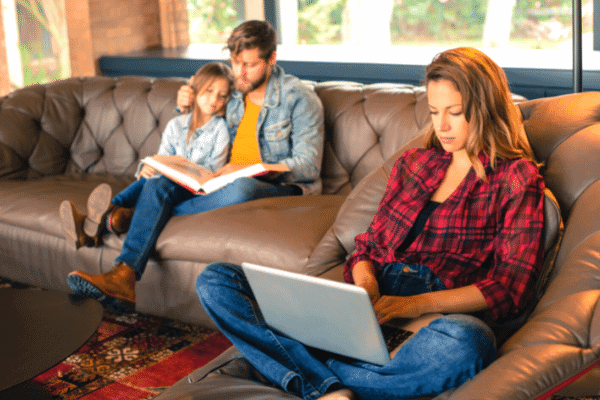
(245, 150)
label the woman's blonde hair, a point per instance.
(487, 104)
(200, 82)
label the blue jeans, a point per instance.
(157, 199)
(448, 352)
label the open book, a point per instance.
(200, 180)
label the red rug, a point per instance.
(132, 357)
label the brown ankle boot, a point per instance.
(119, 219)
(98, 207)
(114, 289)
(72, 222)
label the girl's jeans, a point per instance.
(157, 199)
(450, 351)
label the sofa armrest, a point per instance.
(355, 215)
(37, 125)
(551, 350)
(561, 340)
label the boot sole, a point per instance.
(85, 289)
(97, 205)
(68, 222)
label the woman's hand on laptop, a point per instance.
(467, 299)
(390, 307)
(363, 274)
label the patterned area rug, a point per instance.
(131, 357)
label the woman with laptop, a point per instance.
(457, 232)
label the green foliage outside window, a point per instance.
(211, 21)
(534, 24)
(320, 21)
(436, 21)
(39, 68)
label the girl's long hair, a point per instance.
(201, 80)
(487, 102)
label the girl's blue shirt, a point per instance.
(208, 147)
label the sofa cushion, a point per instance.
(277, 232)
(34, 204)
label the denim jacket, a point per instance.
(290, 128)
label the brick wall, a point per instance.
(80, 38)
(174, 25)
(111, 27)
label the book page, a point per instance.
(184, 165)
(180, 170)
(200, 180)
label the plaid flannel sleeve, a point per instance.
(368, 244)
(517, 261)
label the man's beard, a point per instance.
(253, 85)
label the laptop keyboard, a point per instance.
(394, 336)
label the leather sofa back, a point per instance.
(106, 125)
(365, 125)
(84, 125)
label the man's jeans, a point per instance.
(157, 199)
(448, 352)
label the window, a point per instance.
(515, 33)
(36, 41)
(212, 21)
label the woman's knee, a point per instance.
(473, 339)
(216, 274)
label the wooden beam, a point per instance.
(80, 38)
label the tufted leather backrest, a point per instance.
(365, 125)
(106, 125)
(84, 125)
(122, 121)
(564, 132)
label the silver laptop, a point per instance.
(332, 316)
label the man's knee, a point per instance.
(242, 190)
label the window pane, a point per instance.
(211, 21)
(36, 41)
(516, 33)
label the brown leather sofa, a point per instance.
(60, 140)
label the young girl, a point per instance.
(201, 136)
(457, 232)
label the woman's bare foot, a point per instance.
(342, 394)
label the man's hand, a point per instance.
(185, 97)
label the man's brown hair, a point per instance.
(253, 34)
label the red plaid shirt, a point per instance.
(486, 233)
